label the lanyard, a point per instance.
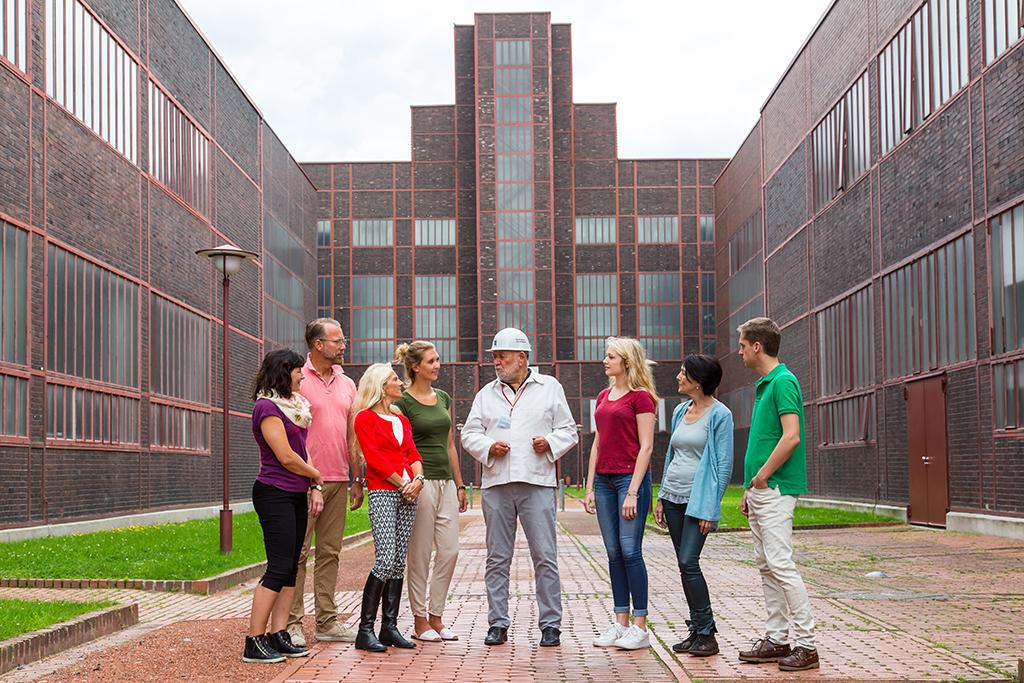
(512, 404)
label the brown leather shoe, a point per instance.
(764, 650)
(800, 659)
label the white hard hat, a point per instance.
(511, 339)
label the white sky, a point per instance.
(335, 79)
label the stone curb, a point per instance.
(205, 586)
(803, 527)
(30, 647)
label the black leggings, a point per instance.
(283, 517)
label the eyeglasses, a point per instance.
(342, 340)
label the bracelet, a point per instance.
(631, 493)
(461, 487)
(419, 478)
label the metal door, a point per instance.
(926, 450)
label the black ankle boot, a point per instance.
(366, 639)
(389, 633)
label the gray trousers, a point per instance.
(534, 506)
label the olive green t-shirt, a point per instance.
(430, 428)
(776, 394)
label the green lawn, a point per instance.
(24, 616)
(732, 518)
(189, 550)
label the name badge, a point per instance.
(504, 422)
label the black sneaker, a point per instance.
(680, 648)
(257, 649)
(703, 646)
(282, 642)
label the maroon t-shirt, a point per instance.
(619, 442)
(272, 472)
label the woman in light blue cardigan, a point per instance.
(697, 470)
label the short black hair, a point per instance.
(704, 370)
(275, 375)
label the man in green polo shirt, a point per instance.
(774, 475)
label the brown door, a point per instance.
(926, 446)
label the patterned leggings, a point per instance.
(391, 518)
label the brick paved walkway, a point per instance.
(949, 609)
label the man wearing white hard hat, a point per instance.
(518, 427)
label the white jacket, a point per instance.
(539, 408)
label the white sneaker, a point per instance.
(298, 638)
(608, 638)
(635, 638)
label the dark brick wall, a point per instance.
(1004, 121)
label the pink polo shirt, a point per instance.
(327, 438)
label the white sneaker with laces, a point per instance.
(298, 637)
(635, 638)
(608, 638)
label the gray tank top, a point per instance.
(688, 441)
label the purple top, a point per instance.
(272, 472)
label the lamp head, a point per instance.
(227, 259)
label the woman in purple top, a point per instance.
(287, 490)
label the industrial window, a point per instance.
(435, 313)
(1008, 394)
(707, 229)
(373, 319)
(658, 310)
(658, 230)
(740, 402)
(14, 282)
(180, 352)
(178, 153)
(178, 428)
(284, 289)
(1006, 246)
(323, 296)
(842, 144)
(1004, 26)
(323, 233)
(751, 309)
(595, 230)
(14, 396)
(597, 313)
(846, 344)
(923, 66)
(434, 232)
(512, 53)
(84, 415)
(707, 313)
(513, 139)
(13, 35)
(846, 421)
(743, 244)
(373, 233)
(928, 310)
(91, 75)
(92, 321)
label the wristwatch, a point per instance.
(418, 477)
(316, 487)
(461, 487)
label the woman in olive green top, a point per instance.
(443, 497)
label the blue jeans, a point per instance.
(688, 542)
(624, 539)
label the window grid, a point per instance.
(89, 416)
(324, 303)
(658, 230)
(1004, 26)
(740, 402)
(373, 233)
(597, 313)
(847, 421)
(928, 310)
(323, 233)
(180, 358)
(1006, 248)
(99, 311)
(373, 319)
(743, 244)
(92, 76)
(707, 229)
(14, 408)
(1008, 394)
(707, 310)
(659, 323)
(842, 144)
(13, 33)
(846, 344)
(596, 230)
(177, 428)
(14, 294)
(921, 68)
(179, 154)
(435, 314)
(434, 232)
(283, 287)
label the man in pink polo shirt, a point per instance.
(330, 393)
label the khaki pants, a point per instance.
(437, 525)
(330, 529)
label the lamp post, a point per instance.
(227, 260)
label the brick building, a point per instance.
(876, 210)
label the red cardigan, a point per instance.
(384, 456)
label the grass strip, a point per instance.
(185, 550)
(25, 616)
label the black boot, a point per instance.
(389, 633)
(366, 639)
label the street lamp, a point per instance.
(228, 260)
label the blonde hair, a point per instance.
(410, 355)
(369, 394)
(638, 372)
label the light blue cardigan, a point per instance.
(715, 466)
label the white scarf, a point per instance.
(296, 408)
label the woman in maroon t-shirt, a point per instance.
(619, 484)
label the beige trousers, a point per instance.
(437, 526)
(330, 529)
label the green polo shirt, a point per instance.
(776, 394)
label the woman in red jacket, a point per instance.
(394, 478)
